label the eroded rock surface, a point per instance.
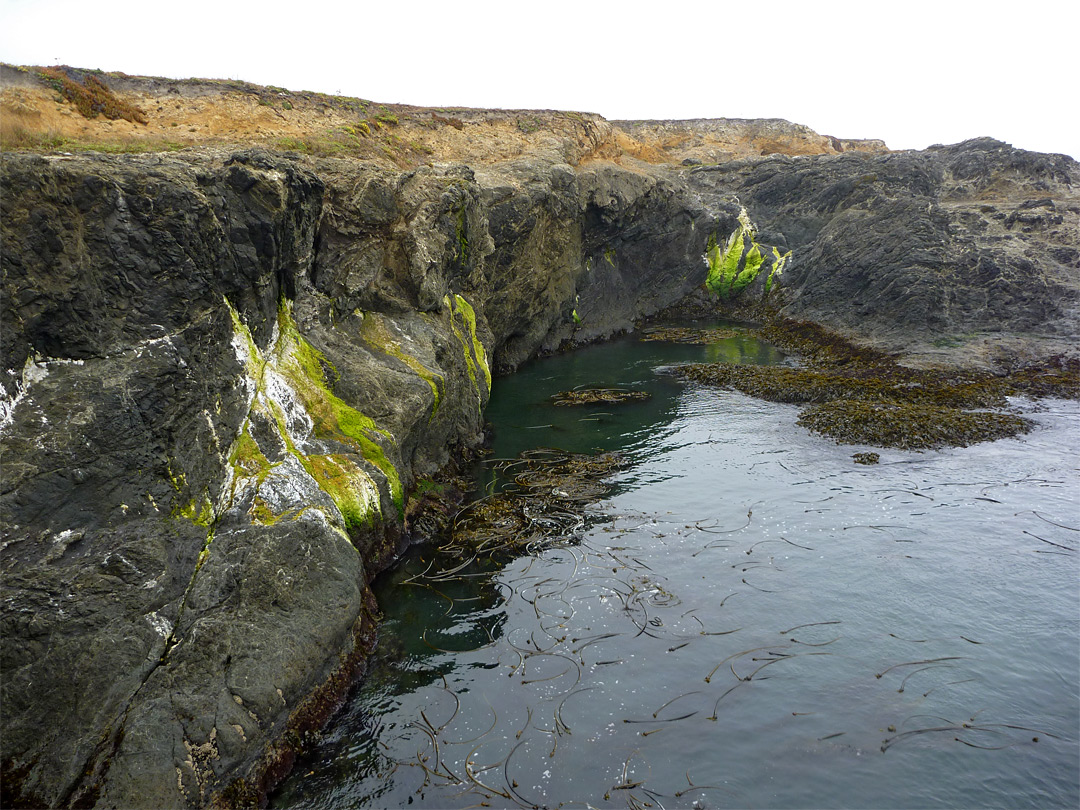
(224, 374)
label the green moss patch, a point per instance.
(306, 369)
(353, 492)
(246, 459)
(377, 334)
(475, 356)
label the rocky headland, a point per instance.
(244, 328)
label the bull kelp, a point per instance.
(542, 502)
(747, 616)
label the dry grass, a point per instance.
(91, 97)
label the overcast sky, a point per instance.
(912, 73)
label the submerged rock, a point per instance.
(865, 398)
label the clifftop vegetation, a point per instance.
(70, 109)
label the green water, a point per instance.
(749, 619)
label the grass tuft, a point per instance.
(91, 97)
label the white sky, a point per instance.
(912, 73)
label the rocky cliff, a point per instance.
(226, 373)
(224, 376)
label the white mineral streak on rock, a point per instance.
(277, 390)
(161, 625)
(31, 373)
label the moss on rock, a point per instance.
(475, 356)
(306, 369)
(376, 333)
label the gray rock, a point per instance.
(970, 247)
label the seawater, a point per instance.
(750, 619)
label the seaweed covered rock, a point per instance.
(540, 504)
(907, 426)
(598, 396)
(862, 397)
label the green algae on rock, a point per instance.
(475, 356)
(376, 330)
(306, 368)
(736, 267)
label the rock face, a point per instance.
(961, 254)
(224, 375)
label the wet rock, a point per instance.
(205, 464)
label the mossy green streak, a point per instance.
(475, 356)
(376, 333)
(305, 367)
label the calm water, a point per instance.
(750, 620)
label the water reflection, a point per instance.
(751, 620)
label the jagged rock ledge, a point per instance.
(225, 373)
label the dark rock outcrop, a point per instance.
(224, 374)
(962, 254)
(222, 377)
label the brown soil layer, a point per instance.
(48, 109)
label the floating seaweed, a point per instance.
(542, 503)
(909, 427)
(880, 404)
(678, 334)
(864, 396)
(599, 396)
